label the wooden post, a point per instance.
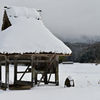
(36, 78)
(45, 76)
(33, 71)
(45, 79)
(6, 73)
(33, 74)
(0, 76)
(56, 72)
(15, 73)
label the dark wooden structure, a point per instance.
(44, 64)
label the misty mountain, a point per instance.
(78, 50)
(82, 39)
(91, 54)
(84, 52)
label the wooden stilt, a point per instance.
(15, 73)
(34, 75)
(56, 73)
(6, 73)
(0, 76)
(36, 78)
(33, 71)
(45, 76)
(45, 79)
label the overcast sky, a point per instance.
(69, 20)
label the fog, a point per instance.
(69, 20)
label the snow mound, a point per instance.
(99, 82)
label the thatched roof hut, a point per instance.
(25, 39)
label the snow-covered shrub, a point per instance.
(99, 82)
(69, 82)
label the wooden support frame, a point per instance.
(54, 60)
(20, 82)
(32, 60)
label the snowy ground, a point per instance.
(86, 77)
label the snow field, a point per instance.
(86, 77)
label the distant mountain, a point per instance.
(78, 50)
(83, 39)
(91, 54)
(84, 52)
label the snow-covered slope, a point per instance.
(28, 34)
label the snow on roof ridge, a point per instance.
(14, 11)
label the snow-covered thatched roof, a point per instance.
(27, 34)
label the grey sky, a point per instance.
(69, 20)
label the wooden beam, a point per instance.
(48, 82)
(52, 82)
(3, 62)
(16, 61)
(34, 54)
(23, 83)
(38, 55)
(41, 61)
(27, 87)
(19, 61)
(24, 61)
(42, 72)
(24, 73)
